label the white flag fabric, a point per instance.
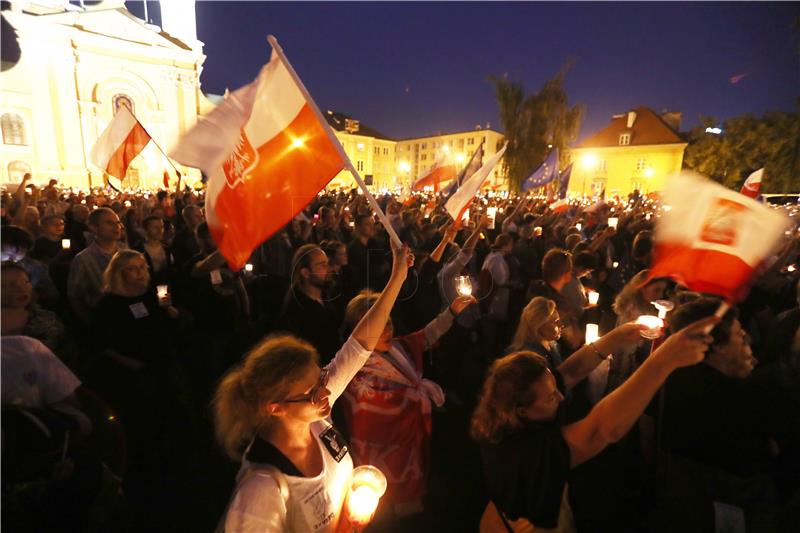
(462, 198)
(752, 186)
(122, 140)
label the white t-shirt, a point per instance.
(257, 505)
(32, 375)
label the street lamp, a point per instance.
(588, 161)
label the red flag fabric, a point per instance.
(122, 140)
(713, 239)
(752, 186)
(559, 206)
(443, 170)
(267, 155)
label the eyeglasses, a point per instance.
(313, 396)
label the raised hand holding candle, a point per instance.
(653, 324)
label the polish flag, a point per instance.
(560, 205)
(462, 198)
(443, 170)
(267, 152)
(752, 186)
(713, 239)
(119, 144)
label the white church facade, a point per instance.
(74, 67)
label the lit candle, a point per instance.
(594, 296)
(615, 264)
(65, 244)
(248, 267)
(163, 292)
(612, 222)
(366, 488)
(791, 268)
(653, 325)
(464, 285)
(537, 231)
(592, 333)
(491, 213)
(579, 226)
(647, 216)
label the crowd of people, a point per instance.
(140, 372)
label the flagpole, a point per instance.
(157, 146)
(338, 145)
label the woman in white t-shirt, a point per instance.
(273, 413)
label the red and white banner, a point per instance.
(559, 206)
(266, 154)
(462, 198)
(713, 239)
(122, 140)
(443, 170)
(752, 186)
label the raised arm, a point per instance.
(369, 329)
(615, 414)
(447, 238)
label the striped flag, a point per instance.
(462, 198)
(752, 186)
(267, 153)
(444, 169)
(122, 140)
(713, 239)
(471, 168)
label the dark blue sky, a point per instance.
(414, 68)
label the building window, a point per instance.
(120, 100)
(360, 166)
(423, 146)
(601, 166)
(470, 141)
(376, 150)
(624, 139)
(461, 143)
(641, 164)
(385, 151)
(423, 157)
(13, 129)
(17, 169)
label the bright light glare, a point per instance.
(589, 161)
(297, 143)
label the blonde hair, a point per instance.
(507, 387)
(358, 307)
(265, 375)
(533, 317)
(112, 276)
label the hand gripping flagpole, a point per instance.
(329, 131)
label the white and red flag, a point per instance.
(267, 153)
(462, 198)
(444, 169)
(752, 186)
(122, 140)
(713, 239)
(560, 205)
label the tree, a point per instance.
(748, 143)
(534, 124)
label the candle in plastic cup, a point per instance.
(612, 222)
(594, 296)
(464, 285)
(248, 267)
(664, 307)
(65, 244)
(592, 333)
(579, 226)
(615, 264)
(162, 291)
(537, 231)
(367, 486)
(653, 325)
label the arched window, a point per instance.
(13, 129)
(17, 169)
(120, 100)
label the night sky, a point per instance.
(410, 69)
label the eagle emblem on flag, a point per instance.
(722, 222)
(240, 161)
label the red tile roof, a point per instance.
(648, 128)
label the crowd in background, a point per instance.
(120, 317)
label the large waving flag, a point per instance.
(462, 198)
(443, 169)
(472, 167)
(122, 140)
(563, 181)
(267, 153)
(752, 186)
(544, 174)
(713, 239)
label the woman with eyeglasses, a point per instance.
(526, 448)
(272, 412)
